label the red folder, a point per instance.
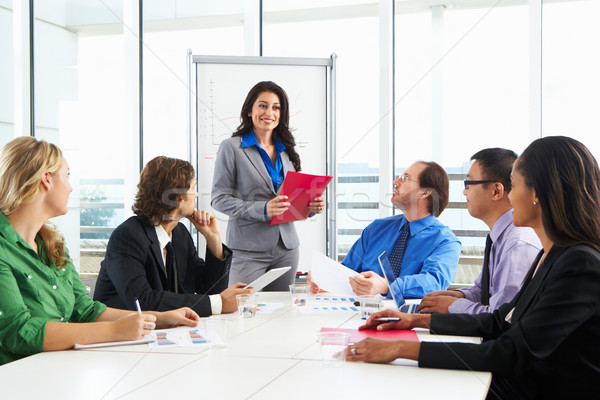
(356, 335)
(300, 189)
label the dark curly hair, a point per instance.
(162, 181)
(282, 132)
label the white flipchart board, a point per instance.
(222, 84)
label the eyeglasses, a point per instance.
(403, 178)
(468, 182)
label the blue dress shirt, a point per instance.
(275, 172)
(430, 259)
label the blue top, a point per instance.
(275, 172)
(430, 259)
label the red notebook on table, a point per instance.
(356, 335)
(300, 189)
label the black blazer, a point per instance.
(552, 347)
(133, 267)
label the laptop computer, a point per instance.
(388, 274)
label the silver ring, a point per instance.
(353, 351)
(148, 325)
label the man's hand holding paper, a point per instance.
(331, 276)
(368, 282)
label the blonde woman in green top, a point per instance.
(40, 289)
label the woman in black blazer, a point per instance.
(545, 343)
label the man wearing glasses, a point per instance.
(510, 251)
(423, 252)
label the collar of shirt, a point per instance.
(500, 225)
(418, 225)
(8, 232)
(163, 239)
(275, 172)
(249, 139)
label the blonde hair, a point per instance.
(23, 162)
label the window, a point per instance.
(6, 73)
(80, 105)
(311, 30)
(206, 28)
(570, 65)
(462, 83)
(461, 86)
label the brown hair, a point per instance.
(566, 180)
(282, 132)
(162, 181)
(436, 179)
(23, 163)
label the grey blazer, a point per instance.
(241, 188)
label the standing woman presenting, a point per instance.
(249, 172)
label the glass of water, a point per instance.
(246, 305)
(369, 305)
(333, 347)
(299, 294)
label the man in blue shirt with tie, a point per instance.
(423, 252)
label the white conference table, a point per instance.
(267, 357)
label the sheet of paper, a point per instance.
(357, 336)
(300, 189)
(331, 275)
(259, 283)
(144, 340)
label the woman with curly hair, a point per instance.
(152, 256)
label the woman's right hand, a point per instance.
(277, 206)
(133, 326)
(373, 323)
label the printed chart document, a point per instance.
(180, 336)
(322, 309)
(331, 276)
(267, 308)
(357, 336)
(300, 189)
(144, 340)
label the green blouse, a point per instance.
(32, 292)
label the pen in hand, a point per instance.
(137, 305)
(147, 325)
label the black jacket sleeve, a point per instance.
(555, 325)
(131, 270)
